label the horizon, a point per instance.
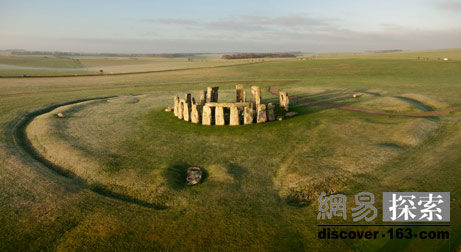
(142, 27)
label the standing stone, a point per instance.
(202, 97)
(186, 112)
(181, 109)
(284, 100)
(255, 96)
(188, 98)
(194, 114)
(270, 112)
(206, 115)
(240, 93)
(247, 115)
(176, 103)
(208, 94)
(219, 116)
(212, 94)
(234, 116)
(261, 116)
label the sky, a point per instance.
(158, 26)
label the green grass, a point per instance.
(434, 55)
(129, 146)
(41, 61)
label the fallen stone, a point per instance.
(291, 114)
(280, 118)
(194, 175)
(60, 115)
(169, 109)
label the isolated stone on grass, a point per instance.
(291, 114)
(194, 175)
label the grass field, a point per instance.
(112, 170)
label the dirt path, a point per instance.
(274, 90)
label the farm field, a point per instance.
(109, 175)
(11, 66)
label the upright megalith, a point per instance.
(188, 98)
(181, 109)
(219, 115)
(212, 94)
(202, 97)
(248, 115)
(206, 115)
(255, 96)
(270, 112)
(186, 111)
(195, 114)
(234, 119)
(261, 116)
(284, 100)
(240, 93)
(176, 103)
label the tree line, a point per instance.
(258, 55)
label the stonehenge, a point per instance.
(209, 111)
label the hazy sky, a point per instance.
(142, 26)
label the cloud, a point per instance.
(171, 21)
(230, 25)
(449, 5)
(260, 23)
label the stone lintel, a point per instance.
(228, 104)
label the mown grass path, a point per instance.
(274, 90)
